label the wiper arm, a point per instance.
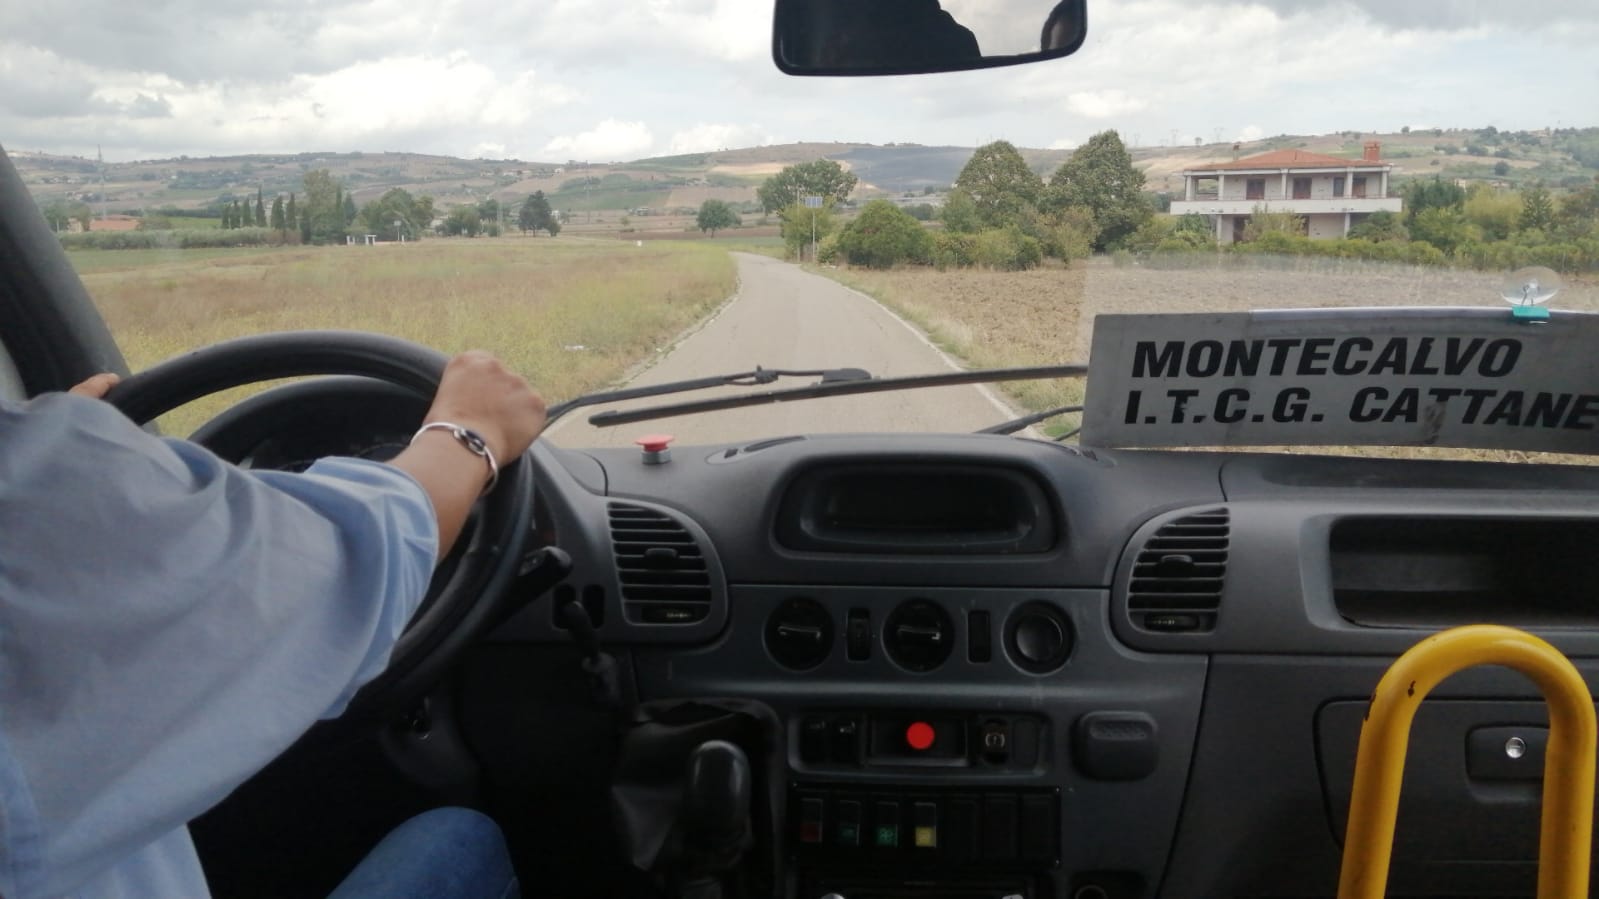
(744, 379)
(1016, 424)
(836, 388)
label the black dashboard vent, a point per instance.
(664, 576)
(1177, 577)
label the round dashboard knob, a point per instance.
(1038, 637)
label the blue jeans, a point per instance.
(447, 853)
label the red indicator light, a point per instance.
(920, 735)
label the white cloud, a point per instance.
(1249, 133)
(704, 138)
(609, 141)
(1064, 143)
(482, 77)
(1105, 104)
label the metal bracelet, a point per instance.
(470, 439)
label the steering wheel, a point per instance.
(462, 601)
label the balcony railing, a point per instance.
(1327, 205)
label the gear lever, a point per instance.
(715, 819)
(716, 798)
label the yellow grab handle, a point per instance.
(1567, 830)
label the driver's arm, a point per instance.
(170, 623)
(479, 393)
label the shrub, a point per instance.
(1007, 249)
(883, 236)
(1069, 233)
(952, 249)
(827, 250)
(184, 239)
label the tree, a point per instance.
(1002, 189)
(463, 221)
(883, 236)
(1100, 177)
(819, 178)
(396, 214)
(322, 218)
(1445, 227)
(802, 224)
(1537, 209)
(291, 216)
(1501, 168)
(536, 215)
(1579, 211)
(1380, 227)
(1494, 212)
(227, 217)
(349, 209)
(714, 216)
(1432, 193)
(260, 210)
(279, 222)
(60, 213)
(960, 213)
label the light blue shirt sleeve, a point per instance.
(168, 625)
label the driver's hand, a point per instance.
(95, 388)
(480, 393)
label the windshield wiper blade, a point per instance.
(835, 388)
(1016, 424)
(742, 379)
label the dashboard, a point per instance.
(995, 667)
(1007, 667)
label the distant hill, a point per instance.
(1562, 158)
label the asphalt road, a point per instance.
(784, 317)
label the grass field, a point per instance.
(1045, 316)
(570, 315)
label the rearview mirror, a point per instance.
(903, 37)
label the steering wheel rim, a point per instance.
(457, 610)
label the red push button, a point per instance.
(654, 443)
(920, 735)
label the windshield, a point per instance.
(625, 193)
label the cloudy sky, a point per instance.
(621, 79)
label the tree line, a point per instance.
(1002, 214)
(999, 213)
(1479, 227)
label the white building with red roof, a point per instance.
(1331, 193)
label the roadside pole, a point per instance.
(813, 204)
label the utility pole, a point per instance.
(100, 158)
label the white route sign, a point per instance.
(1345, 377)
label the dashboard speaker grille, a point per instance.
(1177, 576)
(664, 576)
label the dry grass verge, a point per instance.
(571, 316)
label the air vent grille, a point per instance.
(1177, 577)
(663, 572)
